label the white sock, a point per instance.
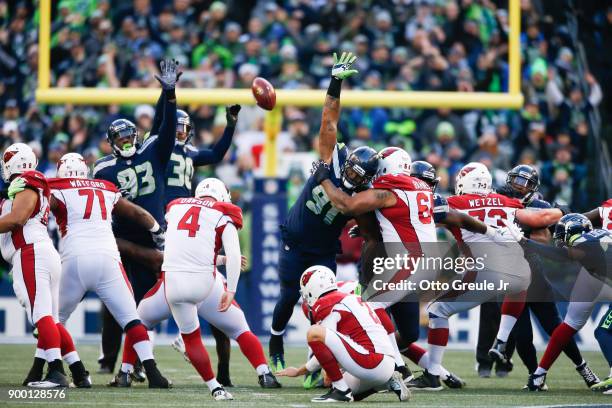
(399, 361)
(340, 385)
(212, 384)
(277, 333)
(424, 361)
(539, 371)
(262, 369)
(144, 349)
(505, 327)
(127, 368)
(53, 354)
(40, 353)
(71, 357)
(435, 359)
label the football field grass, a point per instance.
(566, 387)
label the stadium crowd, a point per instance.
(452, 45)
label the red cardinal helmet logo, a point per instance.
(465, 171)
(307, 277)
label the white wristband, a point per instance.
(490, 231)
(155, 228)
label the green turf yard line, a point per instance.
(566, 386)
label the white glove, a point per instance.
(513, 231)
(497, 235)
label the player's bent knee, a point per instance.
(131, 324)
(316, 333)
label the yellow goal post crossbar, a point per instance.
(417, 99)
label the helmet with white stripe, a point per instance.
(18, 158)
(473, 178)
(215, 188)
(72, 165)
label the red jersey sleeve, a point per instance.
(401, 182)
(510, 202)
(232, 211)
(324, 306)
(607, 203)
(36, 180)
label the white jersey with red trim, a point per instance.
(490, 209)
(605, 213)
(355, 320)
(410, 220)
(84, 216)
(193, 235)
(35, 229)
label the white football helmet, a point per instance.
(215, 188)
(315, 282)
(18, 158)
(393, 160)
(473, 178)
(72, 165)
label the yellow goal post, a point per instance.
(513, 99)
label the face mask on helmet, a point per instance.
(124, 142)
(17, 159)
(359, 168)
(569, 228)
(353, 176)
(184, 132)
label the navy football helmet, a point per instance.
(127, 131)
(570, 227)
(523, 181)
(426, 172)
(184, 126)
(359, 168)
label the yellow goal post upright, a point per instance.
(513, 99)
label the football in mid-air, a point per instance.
(264, 93)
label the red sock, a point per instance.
(414, 352)
(66, 343)
(514, 304)
(558, 340)
(129, 354)
(48, 335)
(252, 349)
(326, 359)
(385, 320)
(198, 355)
(139, 341)
(438, 337)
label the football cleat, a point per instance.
(121, 380)
(589, 377)
(498, 352)
(138, 374)
(484, 370)
(604, 385)
(81, 382)
(219, 394)
(453, 381)
(156, 379)
(36, 372)
(405, 372)
(278, 362)
(313, 380)
(53, 379)
(179, 345)
(268, 380)
(503, 369)
(335, 395)
(426, 382)
(397, 385)
(537, 382)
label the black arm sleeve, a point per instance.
(159, 113)
(167, 131)
(215, 155)
(550, 252)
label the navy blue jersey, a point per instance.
(185, 158)
(142, 177)
(313, 222)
